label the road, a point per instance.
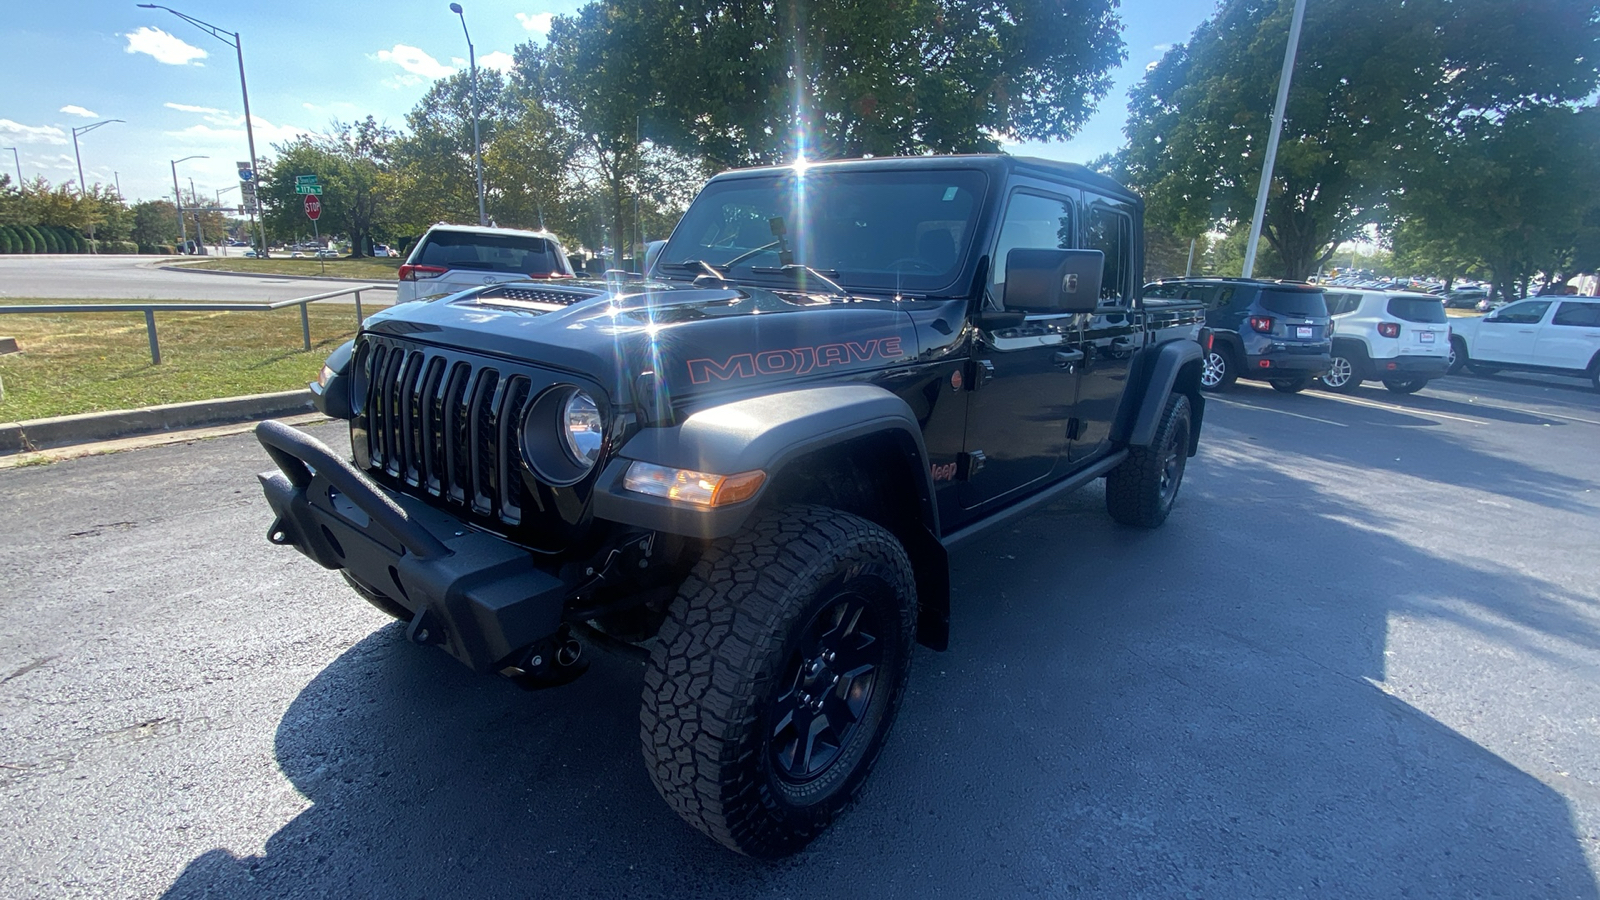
(142, 278)
(1362, 659)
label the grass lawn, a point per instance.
(366, 269)
(88, 362)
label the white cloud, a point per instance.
(18, 133)
(415, 61)
(499, 59)
(266, 132)
(212, 114)
(79, 111)
(397, 82)
(1162, 48)
(538, 23)
(164, 47)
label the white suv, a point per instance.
(451, 258)
(1400, 339)
(1556, 335)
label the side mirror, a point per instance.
(1053, 281)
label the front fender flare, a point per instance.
(1165, 365)
(756, 433)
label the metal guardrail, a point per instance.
(150, 310)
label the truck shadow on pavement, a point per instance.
(1201, 710)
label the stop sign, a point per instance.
(313, 207)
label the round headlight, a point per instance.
(582, 429)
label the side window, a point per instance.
(1223, 298)
(1339, 304)
(1111, 232)
(1164, 291)
(1580, 315)
(1204, 293)
(1527, 312)
(1035, 222)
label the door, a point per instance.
(1572, 338)
(1108, 338)
(1025, 378)
(1509, 335)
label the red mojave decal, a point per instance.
(797, 361)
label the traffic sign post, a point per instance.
(314, 212)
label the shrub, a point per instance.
(122, 247)
(52, 244)
(35, 239)
(80, 243)
(166, 250)
(8, 244)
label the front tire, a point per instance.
(777, 675)
(1405, 385)
(1218, 372)
(1458, 356)
(1141, 490)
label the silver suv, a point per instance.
(1400, 339)
(451, 258)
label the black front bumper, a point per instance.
(482, 598)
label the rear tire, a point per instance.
(777, 676)
(1405, 385)
(1141, 490)
(1458, 355)
(1291, 385)
(1219, 371)
(1343, 374)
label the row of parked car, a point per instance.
(1293, 335)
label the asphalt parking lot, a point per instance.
(1361, 659)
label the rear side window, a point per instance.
(513, 253)
(1581, 315)
(1417, 309)
(1294, 303)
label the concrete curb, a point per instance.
(268, 275)
(16, 437)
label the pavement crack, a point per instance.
(26, 669)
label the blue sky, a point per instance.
(75, 62)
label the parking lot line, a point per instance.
(1283, 412)
(1389, 407)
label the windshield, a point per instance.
(1295, 303)
(883, 230)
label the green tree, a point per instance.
(432, 178)
(1518, 194)
(752, 81)
(1373, 79)
(155, 222)
(350, 164)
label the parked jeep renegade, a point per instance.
(756, 463)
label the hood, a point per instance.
(660, 342)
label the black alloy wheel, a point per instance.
(827, 689)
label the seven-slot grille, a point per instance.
(448, 426)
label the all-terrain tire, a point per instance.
(745, 651)
(1141, 490)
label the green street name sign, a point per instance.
(308, 189)
(305, 179)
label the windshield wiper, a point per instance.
(797, 269)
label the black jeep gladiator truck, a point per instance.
(755, 459)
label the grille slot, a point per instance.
(448, 427)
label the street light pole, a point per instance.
(199, 233)
(1272, 141)
(18, 160)
(231, 38)
(82, 194)
(177, 196)
(477, 146)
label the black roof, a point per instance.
(997, 164)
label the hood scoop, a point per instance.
(540, 298)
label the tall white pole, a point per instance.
(1272, 142)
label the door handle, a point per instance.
(1525, 331)
(1066, 359)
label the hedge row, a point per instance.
(42, 239)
